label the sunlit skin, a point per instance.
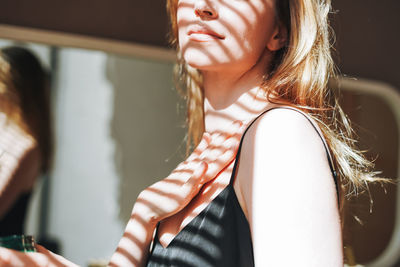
(232, 43)
(170, 197)
(233, 64)
(19, 163)
(283, 184)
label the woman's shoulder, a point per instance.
(285, 129)
(282, 149)
(289, 195)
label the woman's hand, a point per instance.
(170, 195)
(167, 197)
(43, 257)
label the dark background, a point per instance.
(368, 39)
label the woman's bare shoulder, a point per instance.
(283, 151)
(288, 190)
(283, 130)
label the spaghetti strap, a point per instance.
(240, 146)
(330, 160)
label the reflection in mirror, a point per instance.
(108, 112)
(25, 133)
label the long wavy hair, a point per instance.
(299, 75)
(24, 97)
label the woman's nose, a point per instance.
(205, 10)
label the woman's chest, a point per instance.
(170, 227)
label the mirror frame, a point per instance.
(391, 96)
(55, 38)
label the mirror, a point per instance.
(108, 111)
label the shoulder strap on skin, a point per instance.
(330, 161)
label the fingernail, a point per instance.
(238, 123)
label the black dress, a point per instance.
(219, 236)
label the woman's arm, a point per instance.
(289, 193)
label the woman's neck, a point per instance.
(232, 96)
(227, 101)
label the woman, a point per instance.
(263, 64)
(25, 139)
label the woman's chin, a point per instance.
(201, 61)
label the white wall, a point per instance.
(84, 208)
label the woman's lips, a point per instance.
(203, 34)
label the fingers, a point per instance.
(9, 257)
(197, 179)
(195, 182)
(238, 128)
(204, 142)
(220, 143)
(216, 150)
(222, 150)
(191, 176)
(215, 143)
(166, 198)
(233, 135)
(218, 165)
(41, 249)
(213, 154)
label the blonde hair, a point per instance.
(299, 76)
(24, 97)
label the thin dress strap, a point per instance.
(330, 161)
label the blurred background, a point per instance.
(112, 95)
